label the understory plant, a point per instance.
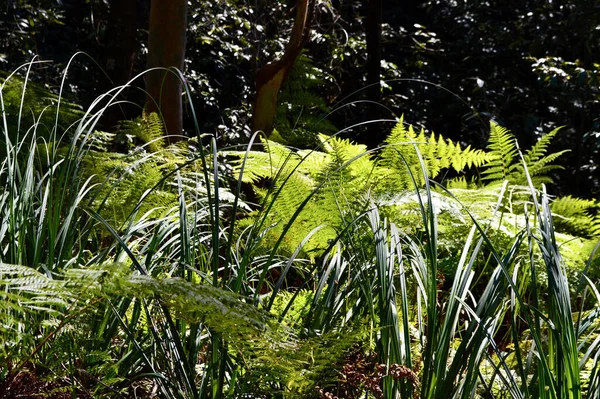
(151, 274)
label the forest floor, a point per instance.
(27, 385)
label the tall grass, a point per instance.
(192, 263)
(42, 195)
(39, 205)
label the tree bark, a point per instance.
(166, 48)
(373, 35)
(270, 78)
(119, 52)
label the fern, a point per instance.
(343, 174)
(505, 163)
(64, 305)
(30, 110)
(122, 181)
(437, 152)
(345, 177)
(503, 150)
(142, 182)
(148, 129)
(338, 185)
(576, 215)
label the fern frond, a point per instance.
(223, 311)
(460, 182)
(569, 206)
(503, 150)
(275, 160)
(578, 215)
(438, 153)
(539, 149)
(506, 165)
(339, 173)
(148, 129)
(543, 165)
(26, 291)
(39, 107)
(74, 297)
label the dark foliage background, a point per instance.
(449, 66)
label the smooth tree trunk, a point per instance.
(270, 78)
(120, 48)
(166, 48)
(376, 133)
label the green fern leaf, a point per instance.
(505, 164)
(503, 150)
(148, 129)
(437, 153)
(539, 149)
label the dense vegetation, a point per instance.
(329, 246)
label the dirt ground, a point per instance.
(26, 385)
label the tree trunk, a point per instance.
(373, 35)
(119, 52)
(270, 78)
(166, 48)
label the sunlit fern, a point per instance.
(505, 164)
(340, 177)
(399, 149)
(577, 215)
(344, 176)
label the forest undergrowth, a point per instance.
(421, 269)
